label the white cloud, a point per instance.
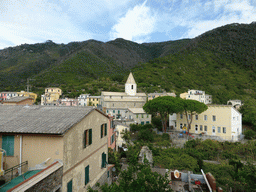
(201, 16)
(35, 20)
(137, 24)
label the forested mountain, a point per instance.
(221, 61)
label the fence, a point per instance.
(15, 171)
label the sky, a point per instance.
(64, 21)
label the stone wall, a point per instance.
(50, 183)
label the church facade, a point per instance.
(117, 103)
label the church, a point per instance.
(117, 103)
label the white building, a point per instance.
(197, 95)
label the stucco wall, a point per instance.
(35, 149)
(223, 119)
(76, 157)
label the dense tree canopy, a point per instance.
(164, 106)
(192, 107)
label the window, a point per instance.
(189, 116)
(132, 86)
(121, 97)
(213, 129)
(107, 111)
(205, 128)
(196, 117)
(142, 122)
(87, 137)
(69, 186)
(147, 115)
(137, 116)
(8, 144)
(118, 112)
(87, 175)
(224, 129)
(185, 125)
(201, 127)
(147, 122)
(219, 130)
(103, 130)
(112, 139)
(142, 116)
(205, 117)
(196, 127)
(213, 118)
(114, 111)
(103, 160)
(181, 126)
(181, 116)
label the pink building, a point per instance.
(69, 102)
(111, 134)
(8, 95)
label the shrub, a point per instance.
(250, 134)
(166, 136)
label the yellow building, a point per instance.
(28, 94)
(223, 121)
(42, 134)
(93, 100)
(51, 96)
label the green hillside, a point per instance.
(221, 61)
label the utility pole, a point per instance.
(28, 84)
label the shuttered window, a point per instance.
(87, 178)
(8, 144)
(104, 160)
(87, 137)
(69, 186)
(106, 130)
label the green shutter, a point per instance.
(8, 144)
(142, 122)
(90, 136)
(106, 129)
(87, 178)
(85, 139)
(102, 160)
(101, 131)
(69, 186)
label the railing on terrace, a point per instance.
(13, 172)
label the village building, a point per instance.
(19, 101)
(197, 95)
(51, 96)
(222, 121)
(8, 95)
(117, 103)
(28, 94)
(235, 103)
(40, 135)
(155, 95)
(88, 100)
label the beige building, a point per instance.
(155, 95)
(19, 101)
(51, 96)
(223, 121)
(138, 116)
(41, 134)
(119, 128)
(112, 102)
(197, 95)
(89, 100)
